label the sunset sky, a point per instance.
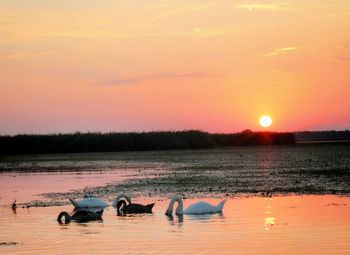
(137, 65)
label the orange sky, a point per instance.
(217, 66)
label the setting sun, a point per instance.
(265, 121)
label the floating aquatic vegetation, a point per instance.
(8, 243)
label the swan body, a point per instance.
(123, 208)
(93, 202)
(88, 202)
(196, 208)
(204, 208)
(80, 216)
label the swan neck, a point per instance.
(67, 217)
(220, 206)
(120, 206)
(180, 207)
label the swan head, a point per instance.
(169, 212)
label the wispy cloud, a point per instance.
(134, 80)
(282, 51)
(204, 33)
(21, 55)
(265, 6)
(343, 58)
(344, 47)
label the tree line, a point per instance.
(135, 141)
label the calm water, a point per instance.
(25, 187)
(284, 224)
(255, 225)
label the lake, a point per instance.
(280, 200)
(254, 225)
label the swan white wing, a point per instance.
(91, 202)
(200, 208)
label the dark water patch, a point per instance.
(336, 204)
(40, 203)
(8, 243)
(90, 232)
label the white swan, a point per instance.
(196, 208)
(91, 202)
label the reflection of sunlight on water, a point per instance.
(268, 170)
(269, 219)
(269, 222)
(266, 164)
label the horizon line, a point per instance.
(164, 131)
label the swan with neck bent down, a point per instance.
(196, 208)
(80, 216)
(131, 208)
(93, 202)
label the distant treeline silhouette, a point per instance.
(104, 142)
(331, 135)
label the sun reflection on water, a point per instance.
(270, 220)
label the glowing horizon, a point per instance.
(173, 65)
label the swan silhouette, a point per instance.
(124, 208)
(196, 208)
(80, 216)
(93, 202)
